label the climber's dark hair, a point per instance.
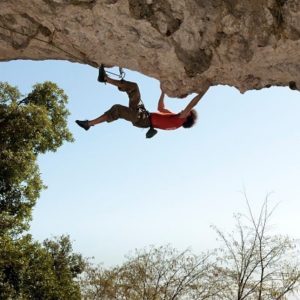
(191, 119)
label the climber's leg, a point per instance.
(131, 88)
(116, 112)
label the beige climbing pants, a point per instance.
(135, 112)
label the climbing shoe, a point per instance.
(102, 74)
(292, 85)
(84, 124)
(151, 133)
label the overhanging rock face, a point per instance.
(248, 44)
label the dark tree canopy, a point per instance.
(29, 127)
(30, 270)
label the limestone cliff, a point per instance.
(248, 44)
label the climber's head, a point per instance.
(191, 119)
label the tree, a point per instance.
(254, 264)
(154, 274)
(251, 264)
(27, 128)
(30, 270)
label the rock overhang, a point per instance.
(249, 44)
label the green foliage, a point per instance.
(48, 101)
(153, 274)
(8, 93)
(30, 270)
(250, 264)
(66, 265)
(25, 131)
(28, 127)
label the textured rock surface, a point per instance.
(248, 44)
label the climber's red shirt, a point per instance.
(167, 121)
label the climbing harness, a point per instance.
(144, 112)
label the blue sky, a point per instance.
(113, 190)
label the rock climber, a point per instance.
(138, 115)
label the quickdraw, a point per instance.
(121, 74)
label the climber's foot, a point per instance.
(83, 124)
(102, 74)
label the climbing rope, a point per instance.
(84, 60)
(45, 42)
(151, 132)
